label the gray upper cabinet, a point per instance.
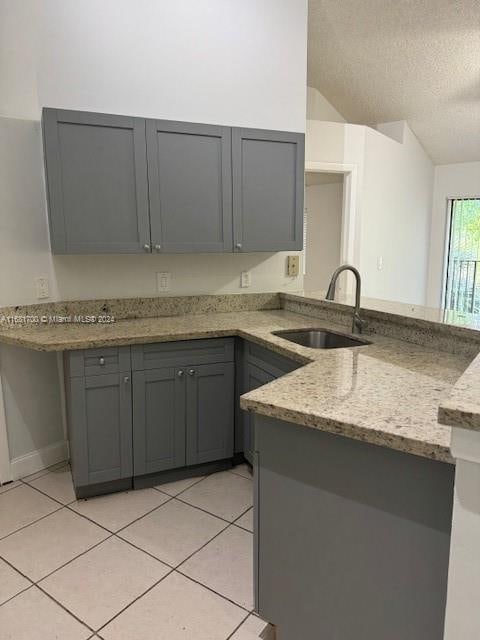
(96, 171)
(268, 186)
(190, 187)
(119, 184)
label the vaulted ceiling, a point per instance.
(414, 60)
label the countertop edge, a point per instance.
(355, 432)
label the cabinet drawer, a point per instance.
(269, 361)
(183, 353)
(93, 362)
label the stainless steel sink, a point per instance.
(320, 338)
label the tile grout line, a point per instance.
(157, 487)
(159, 506)
(25, 526)
(238, 627)
(44, 493)
(62, 566)
(117, 614)
(213, 514)
(250, 477)
(174, 570)
(169, 573)
(240, 606)
(17, 594)
(82, 622)
(228, 524)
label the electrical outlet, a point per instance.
(163, 281)
(42, 288)
(380, 263)
(293, 265)
(245, 279)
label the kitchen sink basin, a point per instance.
(320, 338)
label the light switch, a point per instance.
(41, 287)
(293, 265)
(163, 281)
(245, 279)
(380, 263)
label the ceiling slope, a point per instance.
(414, 60)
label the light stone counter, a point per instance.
(462, 406)
(386, 393)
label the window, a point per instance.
(462, 286)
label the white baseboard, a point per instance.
(38, 460)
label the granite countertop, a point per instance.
(462, 406)
(386, 393)
(405, 310)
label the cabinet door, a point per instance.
(96, 171)
(254, 378)
(268, 185)
(100, 412)
(210, 411)
(158, 420)
(190, 187)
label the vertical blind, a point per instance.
(462, 290)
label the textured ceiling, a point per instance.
(414, 60)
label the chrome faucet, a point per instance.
(357, 322)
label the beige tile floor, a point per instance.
(167, 563)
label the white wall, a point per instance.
(324, 221)
(396, 204)
(234, 63)
(30, 380)
(319, 108)
(394, 190)
(213, 61)
(334, 143)
(451, 181)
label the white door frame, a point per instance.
(5, 466)
(349, 239)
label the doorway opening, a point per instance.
(462, 281)
(331, 219)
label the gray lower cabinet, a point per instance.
(190, 187)
(254, 378)
(100, 427)
(210, 412)
(96, 175)
(182, 416)
(268, 188)
(257, 366)
(352, 540)
(159, 420)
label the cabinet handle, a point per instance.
(126, 379)
(180, 373)
(101, 361)
(158, 247)
(191, 372)
(238, 245)
(146, 247)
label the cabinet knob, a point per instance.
(191, 372)
(180, 373)
(126, 379)
(101, 361)
(158, 247)
(146, 247)
(238, 245)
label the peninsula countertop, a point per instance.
(386, 393)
